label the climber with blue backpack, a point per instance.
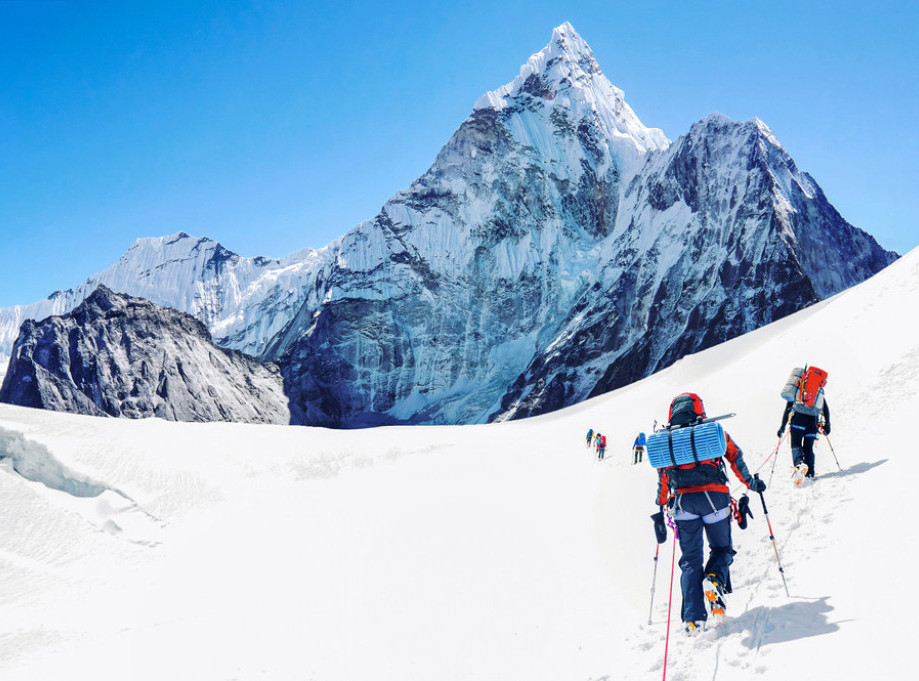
(638, 448)
(690, 453)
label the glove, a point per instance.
(826, 428)
(781, 433)
(660, 527)
(743, 510)
(758, 485)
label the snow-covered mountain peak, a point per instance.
(725, 126)
(175, 247)
(568, 46)
(566, 62)
(741, 138)
(765, 132)
(563, 83)
(555, 249)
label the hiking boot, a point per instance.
(693, 628)
(798, 474)
(714, 594)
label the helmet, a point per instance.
(685, 409)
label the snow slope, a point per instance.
(231, 551)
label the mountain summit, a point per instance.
(556, 249)
(564, 81)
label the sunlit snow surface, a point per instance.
(227, 551)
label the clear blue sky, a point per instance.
(274, 126)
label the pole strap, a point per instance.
(692, 444)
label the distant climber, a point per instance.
(806, 412)
(638, 449)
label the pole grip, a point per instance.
(761, 497)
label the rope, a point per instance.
(774, 452)
(676, 536)
(786, 431)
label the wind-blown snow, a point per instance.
(495, 552)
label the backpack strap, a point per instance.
(670, 443)
(692, 443)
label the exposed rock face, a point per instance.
(243, 301)
(718, 235)
(120, 356)
(558, 249)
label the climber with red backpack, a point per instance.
(690, 453)
(805, 405)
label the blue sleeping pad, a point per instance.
(667, 447)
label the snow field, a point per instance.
(228, 551)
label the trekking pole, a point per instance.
(676, 536)
(772, 471)
(772, 537)
(786, 432)
(766, 460)
(653, 583)
(774, 451)
(832, 450)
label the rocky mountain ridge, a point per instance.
(115, 355)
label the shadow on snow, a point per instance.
(857, 469)
(767, 625)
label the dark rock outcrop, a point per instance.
(120, 356)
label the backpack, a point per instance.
(691, 455)
(804, 388)
(691, 451)
(686, 408)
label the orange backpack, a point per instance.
(809, 396)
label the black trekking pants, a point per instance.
(803, 434)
